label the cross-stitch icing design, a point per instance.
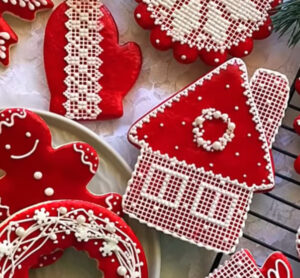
(212, 25)
(39, 230)
(242, 265)
(83, 59)
(25, 9)
(81, 48)
(192, 181)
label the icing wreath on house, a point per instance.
(204, 153)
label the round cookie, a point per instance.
(296, 124)
(41, 229)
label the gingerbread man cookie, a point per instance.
(34, 171)
(88, 72)
(242, 265)
(25, 9)
(39, 230)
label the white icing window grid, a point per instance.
(270, 93)
(169, 180)
(83, 61)
(181, 222)
(212, 24)
(239, 265)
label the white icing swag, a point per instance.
(83, 61)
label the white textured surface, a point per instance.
(23, 83)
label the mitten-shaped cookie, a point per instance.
(88, 72)
(209, 29)
(41, 229)
(25, 9)
(243, 265)
(34, 171)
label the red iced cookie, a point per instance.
(25, 9)
(243, 265)
(34, 171)
(210, 28)
(39, 230)
(204, 153)
(88, 72)
(297, 124)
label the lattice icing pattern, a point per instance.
(242, 265)
(183, 201)
(83, 59)
(25, 9)
(47, 227)
(271, 92)
(213, 26)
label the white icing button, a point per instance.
(20, 232)
(49, 191)
(28, 134)
(81, 219)
(121, 271)
(7, 147)
(38, 175)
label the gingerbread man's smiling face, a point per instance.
(22, 136)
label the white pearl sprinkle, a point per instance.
(80, 219)
(38, 175)
(20, 232)
(121, 271)
(28, 134)
(49, 191)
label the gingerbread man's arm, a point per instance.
(7, 38)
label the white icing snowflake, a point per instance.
(6, 249)
(41, 216)
(109, 247)
(82, 233)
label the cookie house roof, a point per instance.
(169, 128)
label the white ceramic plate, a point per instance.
(112, 176)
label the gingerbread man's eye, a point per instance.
(28, 134)
(7, 147)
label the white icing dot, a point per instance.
(80, 219)
(7, 146)
(63, 210)
(199, 98)
(236, 108)
(249, 135)
(237, 154)
(183, 57)
(38, 175)
(145, 136)
(183, 123)
(157, 41)
(138, 15)
(53, 236)
(49, 191)
(245, 176)
(161, 125)
(217, 60)
(20, 232)
(246, 52)
(216, 146)
(176, 147)
(258, 164)
(121, 271)
(211, 165)
(28, 134)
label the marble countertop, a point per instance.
(23, 83)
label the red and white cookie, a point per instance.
(204, 152)
(297, 124)
(88, 72)
(242, 265)
(41, 229)
(34, 171)
(25, 9)
(209, 29)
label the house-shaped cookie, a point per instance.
(204, 153)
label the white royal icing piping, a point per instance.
(18, 157)
(274, 273)
(9, 122)
(213, 25)
(31, 4)
(107, 201)
(87, 226)
(83, 61)
(83, 160)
